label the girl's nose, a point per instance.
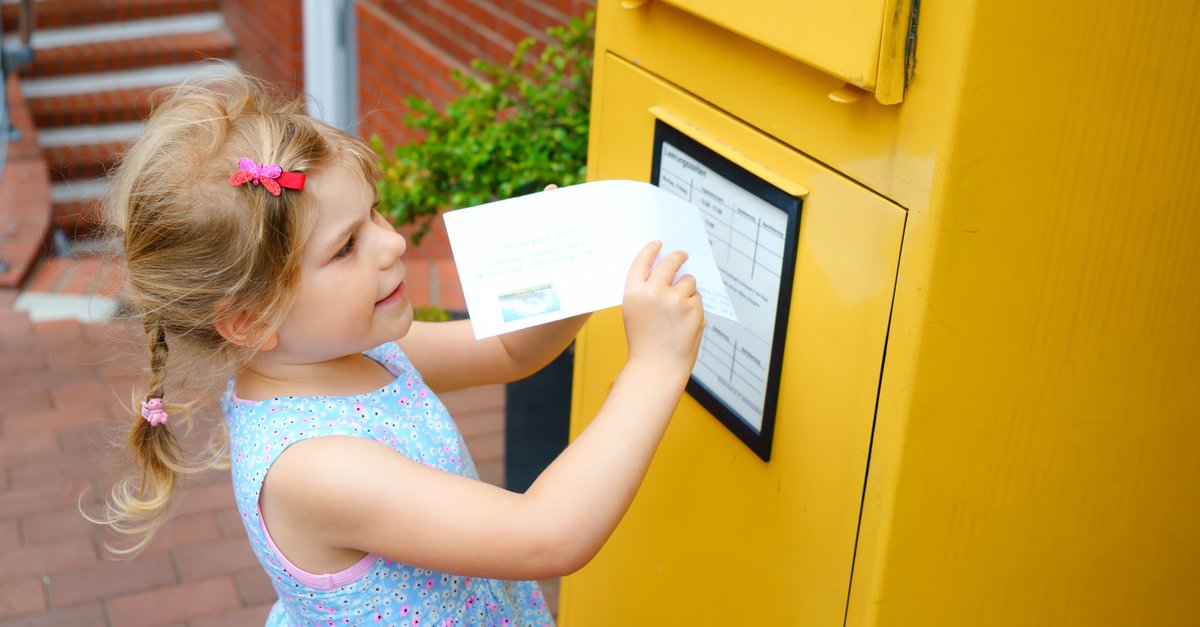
(394, 247)
(401, 243)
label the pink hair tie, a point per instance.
(153, 412)
(270, 175)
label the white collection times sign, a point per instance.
(753, 238)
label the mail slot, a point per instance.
(852, 40)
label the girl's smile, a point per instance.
(396, 296)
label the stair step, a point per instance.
(47, 86)
(95, 270)
(118, 105)
(82, 161)
(131, 53)
(85, 308)
(78, 159)
(54, 38)
(77, 189)
(89, 134)
(78, 218)
(55, 14)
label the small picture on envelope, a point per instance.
(529, 302)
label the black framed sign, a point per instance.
(753, 227)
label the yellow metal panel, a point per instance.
(716, 536)
(1036, 459)
(841, 38)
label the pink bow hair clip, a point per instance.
(270, 175)
(153, 412)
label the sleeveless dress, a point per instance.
(406, 416)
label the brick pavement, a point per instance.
(62, 385)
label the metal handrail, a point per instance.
(16, 57)
(12, 59)
(25, 22)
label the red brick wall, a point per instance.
(404, 46)
(410, 46)
(270, 38)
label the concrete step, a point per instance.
(126, 52)
(99, 107)
(148, 78)
(78, 159)
(82, 161)
(82, 288)
(75, 208)
(57, 14)
(77, 276)
(45, 307)
(76, 189)
(77, 218)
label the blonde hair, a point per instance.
(199, 251)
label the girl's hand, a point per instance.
(663, 317)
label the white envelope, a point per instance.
(552, 255)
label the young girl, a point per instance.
(250, 236)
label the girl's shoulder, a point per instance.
(392, 357)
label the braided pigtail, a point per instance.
(141, 501)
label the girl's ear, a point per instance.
(237, 327)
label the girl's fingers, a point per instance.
(640, 270)
(687, 283)
(668, 267)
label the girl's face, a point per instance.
(352, 295)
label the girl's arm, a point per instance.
(450, 358)
(347, 494)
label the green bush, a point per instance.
(430, 313)
(515, 128)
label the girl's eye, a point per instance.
(345, 250)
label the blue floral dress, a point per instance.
(406, 416)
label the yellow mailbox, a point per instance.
(973, 233)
